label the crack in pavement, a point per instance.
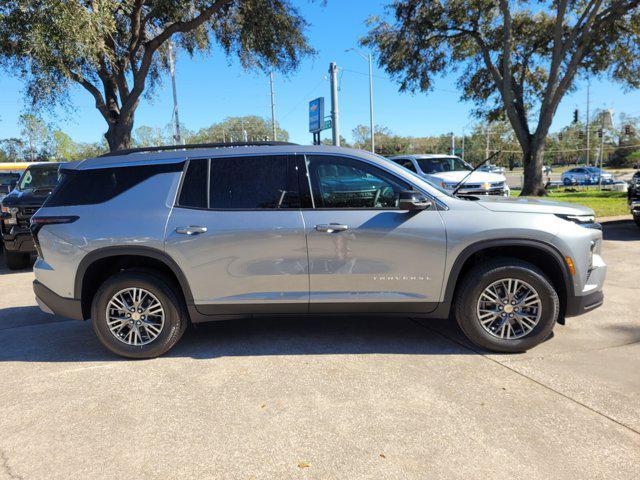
(7, 468)
(551, 389)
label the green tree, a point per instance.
(64, 148)
(12, 149)
(36, 137)
(251, 128)
(514, 57)
(118, 49)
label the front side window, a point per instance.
(254, 182)
(340, 182)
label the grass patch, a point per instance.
(605, 204)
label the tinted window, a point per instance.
(89, 187)
(194, 186)
(340, 182)
(254, 182)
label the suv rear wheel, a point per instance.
(507, 305)
(17, 260)
(137, 315)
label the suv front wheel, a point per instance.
(507, 305)
(137, 315)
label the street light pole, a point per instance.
(177, 138)
(373, 134)
(371, 121)
(335, 116)
(273, 108)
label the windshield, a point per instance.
(40, 176)
(442, 164)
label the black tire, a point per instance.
(636, 218)
(175, 321)
(483, 275)
(17, 260)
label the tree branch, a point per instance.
(152, 45)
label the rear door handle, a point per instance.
(191, 230)
(331, 227)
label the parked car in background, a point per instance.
(586, 176)
(633, 197)
(17, 208)
(446, 171)
(9, 175)
(8, 181)
(144, 242)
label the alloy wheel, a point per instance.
(509, 308)
(135, 316)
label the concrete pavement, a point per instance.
(330, 398)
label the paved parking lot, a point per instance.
(325, 398)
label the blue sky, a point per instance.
(211, 88)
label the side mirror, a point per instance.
(412, 200)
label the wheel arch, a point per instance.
(100, 264)
(541, 254)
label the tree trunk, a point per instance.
(119, 134)
(533, 160)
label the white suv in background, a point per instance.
(447, 171)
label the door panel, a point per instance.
(241, 241)
(246, 261)
(374, 253)
(392, 258)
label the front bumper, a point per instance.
(579, 305)
(50, 302)
(21, 242)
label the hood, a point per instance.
(532, 205)
(26, 198)
(475, 177)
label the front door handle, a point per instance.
(191, 230)
(332, 227)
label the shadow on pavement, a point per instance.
(45, 338)
(621, 230)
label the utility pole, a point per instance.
(176, 119)
(335, 126)
(587, 122)
(373, 133)
(486, 151)
(453, 143)
(463, 135)
(273, 108)
(371, 122)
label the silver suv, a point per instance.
(145, 242)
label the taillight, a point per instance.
(40, 221)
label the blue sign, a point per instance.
(316, 115)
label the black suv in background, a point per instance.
(34, 187)
(633, 197)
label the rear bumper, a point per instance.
(51, 302)
(583, 304)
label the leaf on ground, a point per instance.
(303, 465)
(382, 455)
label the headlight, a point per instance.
(583, 220)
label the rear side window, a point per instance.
(194, 186)
(90, 187)
(254, 182)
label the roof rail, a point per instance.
(191, 147)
